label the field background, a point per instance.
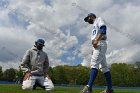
(12, 88)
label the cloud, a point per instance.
(41, 25)
(60, 23)
(13, 43)
(128, 55)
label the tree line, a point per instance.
(122, 75)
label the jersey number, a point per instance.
(94, 32)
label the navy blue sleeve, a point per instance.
(102, 29)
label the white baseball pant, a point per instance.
(29, 83)
(98, 59)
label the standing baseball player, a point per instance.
(35, 64)
(98, 38)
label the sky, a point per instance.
(60, 23)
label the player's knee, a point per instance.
(93, 66)
(49, 87)
(27, 87)
(104, 70)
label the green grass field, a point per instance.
(17, 89)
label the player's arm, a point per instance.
(25, 61)
(46, 66)
(102, 31)
(24, 65)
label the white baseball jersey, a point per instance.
(98, 57)
(96, 27)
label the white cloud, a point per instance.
(13, 43)
(128, 55)
(47, 20)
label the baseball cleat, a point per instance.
(86, 89)
(108, 91)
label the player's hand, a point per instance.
(95, 44)
(27, 76)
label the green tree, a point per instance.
(19, 75)
(137, 73)
(59, 75)
(82, 75)
(9, 74)
(51, 73)
(137, 65)
(122, 74)
(1, 73)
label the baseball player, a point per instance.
(98, 38)
(35, 64)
